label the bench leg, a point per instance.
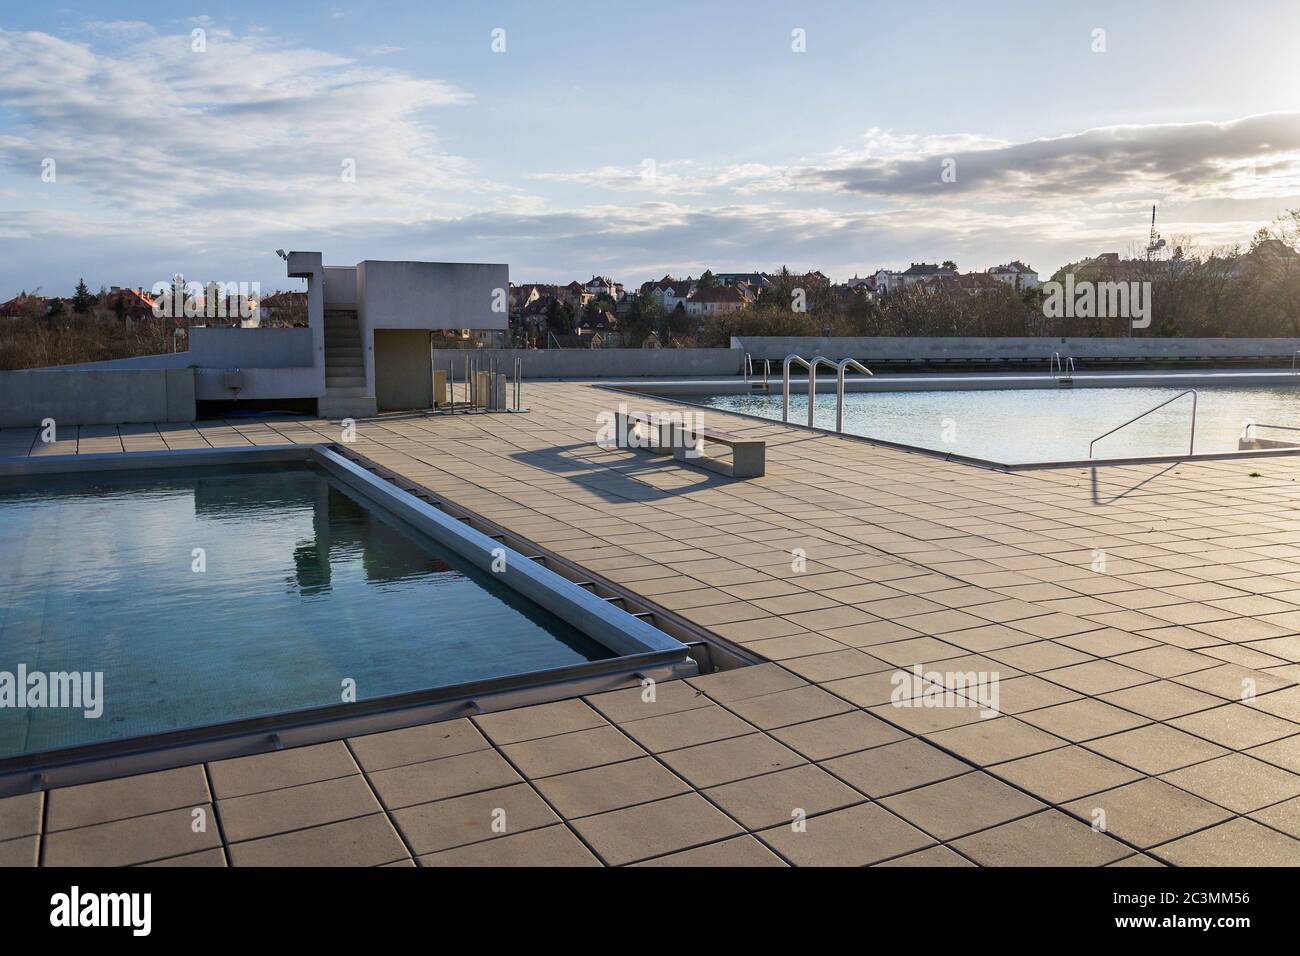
(749, 460)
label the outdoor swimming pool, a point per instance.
(219, 594)
(1018, 426)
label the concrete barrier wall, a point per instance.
(899, 348)
(95, 396)
(598, 363)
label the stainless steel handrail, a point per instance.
(1191, 445)
(1293, 358)
(748, 369)
(1245, 432)
(817, 360)
(785, 385)
(839, 389)
(1058, 366)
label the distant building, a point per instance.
(888, 282)
(1015, 274)
(718, 300)
(669, 293)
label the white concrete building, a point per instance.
(1015, 274)
(367, 346)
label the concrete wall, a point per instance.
(403, 379)
(223, 347)
(431, 295)
(95, 396)
(598, 363)
(902, 347)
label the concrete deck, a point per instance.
(1144, 624)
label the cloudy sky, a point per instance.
(632, 139)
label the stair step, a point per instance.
(345, 381)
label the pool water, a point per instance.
(298, 589)
(1017, 426)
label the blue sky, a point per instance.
(633, 140)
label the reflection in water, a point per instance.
(343, 530)
(303, 589)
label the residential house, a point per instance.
(669, 293)
(718, 300)
(133, 304)
(1015, 274)
(888, 282)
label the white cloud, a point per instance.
(254, 128)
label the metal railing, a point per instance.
(1191, 444)
(812, 366)
(1294, 356)
(748, 369)
(839, 389)
(1249, 426)
(1061, 368)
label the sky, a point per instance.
(633, 140)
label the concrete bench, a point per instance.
(668, 435)
(748, 456)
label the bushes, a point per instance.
(71, 338)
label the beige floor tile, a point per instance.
(578, 750)
(1161, 700)
(956, 807)
(1236, 726)
(1280, 753)
(294, 808)
(1148, 812)
(674, 731)
(134, 840)
(1083, 719)
(126, 797)
(414, 783)
(896, 767)
(281, 768)
(934, 856)
(835, 736)
(202, 859)
(653, 829)
(392, 748)
(782, 796)
(364, 841)
(1238, 782)
(737, 852)
(1155, 749)
(430, 827)
(635, 703)
(787, 707)
(549, 846)
(856, 836)
(1065, 774)
(987, 742)
(744, 682)
(1283, 816)
(20, 851)
(600, 789)
(20, 816)
(540, 720)
(723, 761)
(1049, 838)
(1236, 843)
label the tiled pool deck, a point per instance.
(1126, 618)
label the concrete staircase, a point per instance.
(345, 395)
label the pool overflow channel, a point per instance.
(650, 642)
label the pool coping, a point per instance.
(641, 650)
(987, 463)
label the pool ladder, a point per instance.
(1062, 369)
(818, 360)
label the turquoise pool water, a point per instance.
(304, 588)
(1016, 426)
